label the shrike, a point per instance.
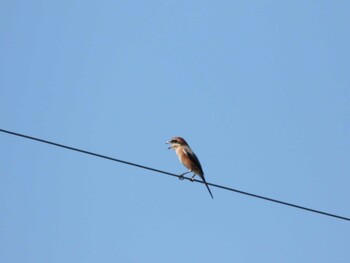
(188, 159)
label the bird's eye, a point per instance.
(173, 141)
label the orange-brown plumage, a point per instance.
(188, 158)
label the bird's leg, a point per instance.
(181, 177)
(192, 178)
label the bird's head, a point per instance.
(176, 142)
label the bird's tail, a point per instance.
(206, 184)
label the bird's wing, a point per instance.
(193, 157)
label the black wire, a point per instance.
(175, 175)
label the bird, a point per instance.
(188, 158)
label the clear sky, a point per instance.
(259, 89)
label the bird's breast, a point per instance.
(187, 162)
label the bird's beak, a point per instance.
(168, 143)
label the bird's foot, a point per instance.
(181, 176)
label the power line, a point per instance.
(175, 175)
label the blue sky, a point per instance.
(259, 89)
